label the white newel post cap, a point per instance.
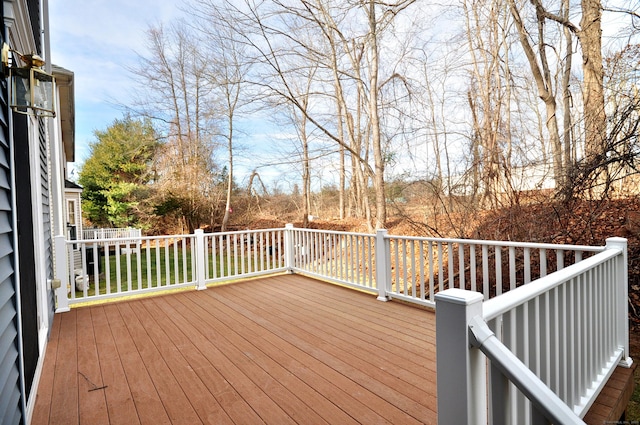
(616, 242)
(459, 296)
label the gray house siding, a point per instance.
(25, 163)
(46, 214)
(28, 209)
(10, 394)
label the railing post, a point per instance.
(200, 259)
(461, 368)
(60, 282)
(383, 264)
(622, 307)
(289, 249)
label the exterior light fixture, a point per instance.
(32, 89)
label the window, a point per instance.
(71, 211)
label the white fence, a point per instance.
(552, 318)
(413, 269)
(110, 268)
(232, 255)
(343, 257)
(551, 345)
(111, 233)
(418, 268)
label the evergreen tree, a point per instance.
(116, 174)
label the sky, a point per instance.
(96, 40)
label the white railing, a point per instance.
(422, 267)
(107, 268)
(552, 343)
(232, 255)
(111, 233)
(413, 269)
(342, 257)
(551, 318)
(98, 269)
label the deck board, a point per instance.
(302, 366)
(611, 403)
(201, 400)
(64, 400)
(171, 394)
(294, 336)
(232, 364)
(375, 370)
(43, 403)
(247, 343)
(279, 350)
(214, 391)
(92, 403)
(120, 402)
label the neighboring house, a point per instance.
(33, 155)
(72, 202)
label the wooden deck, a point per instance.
(278, 350)
(281, 350)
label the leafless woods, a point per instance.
(476, 102)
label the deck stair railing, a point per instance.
(551, 345)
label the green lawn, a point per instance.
(155, 268)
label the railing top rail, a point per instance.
(334, 232)
(549, 246)
(129, 238)
(509, 300)
(112, 230)
(244, 232)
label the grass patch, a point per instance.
(151, 268)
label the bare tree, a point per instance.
(615, 171)
(489, 97)
(270, 30)
(300, 121)
(349, 119)
(176, 94)
(227, 70)
(590, 36)
(589, 33)
(541, 70)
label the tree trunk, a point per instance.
(544, 83)
(381, 206)
(306, 179)
(227, 209)
(566, 93)
(590, 36)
